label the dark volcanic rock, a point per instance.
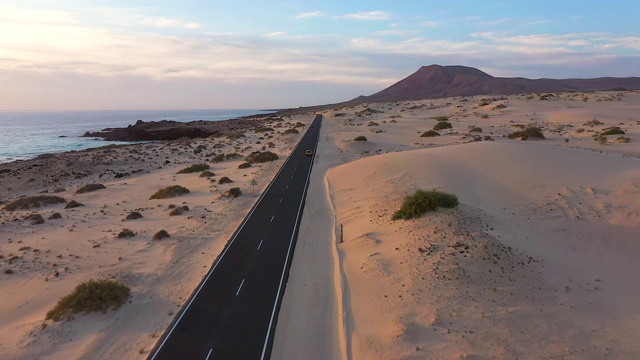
(172, 130)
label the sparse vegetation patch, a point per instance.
(430, 133)
(261, 157)
(613, 130)
(169, 192)
(89, 188)
(34, 202)
(194, 168)
(528, 133)
(441, 125)
(360, 138)
(91, 296)
(424, 201)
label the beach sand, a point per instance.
(538, 260)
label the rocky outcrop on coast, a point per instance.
(172, 130)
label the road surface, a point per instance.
(233, 312)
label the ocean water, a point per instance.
(27, 134)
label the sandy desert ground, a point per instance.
(539, 260)
(46, 261)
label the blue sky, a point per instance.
(63, 55)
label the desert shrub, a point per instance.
(218, 158)
(261, 157)
(169, 192)
(55, 216)
(441, 125)
(244, 165)
(162, 234)
(484, 116)
(424, 201)
(339, 114)
(235, 136)
(372, 123)
(73, 204)
(263, 129)
(430, 133)
(623, 140)
(176, 211)
(34, 202)
(441, 118)
(36, 219)
(233, 192)
(291, 131)
(579, 130)
(207, 174)
(528, 133)
(224, 180)
(360, 138)
(89, 188)
(475, 129)
(194, 168)
(91, 296)
(613, 130)
(593, 122)
(134, 215)
(126, 233)
(233, 155)
(602, 139)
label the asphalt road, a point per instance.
(233, 312)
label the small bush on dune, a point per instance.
(360, 138)
(93, 295)
(244, 165)
(194, 168)
(169, 192)
(218, 158)
(261, 157)
(162, 234)
(34, 202)
(430, 133)
(424, 201)
(224, 180)
(73, 204)
(441, 118)
(441, 125)
(613, 130)
(528, 133)
(235, 136)
(126, 233)
(291, 131)
(89, 188)
(263, 129)
(233, 192)
(207, 174)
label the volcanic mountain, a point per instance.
(436, 81)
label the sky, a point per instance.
(257, 54)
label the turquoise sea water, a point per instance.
(27, 134)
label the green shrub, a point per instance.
(34, 202)
(613, 130)
(263, 129)
(424, 201)
(475, 129)
(89, 188)
(73, 204)
(593, 122)
(441, 118)
(291, 131)
(531, 132)
(441, 125)
(244, 165)
(218, 158)
(169, 192)
(93, 295)
(360, 138)
(233, 192)
(261, 157)
(430, 133)
(602, 139)
(194, 168)
(207, 174)
(623, 140)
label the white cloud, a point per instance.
(162, 22)
(275, 34)
(310, 15)
(192, 26)
(367, 15)
(430, 23)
